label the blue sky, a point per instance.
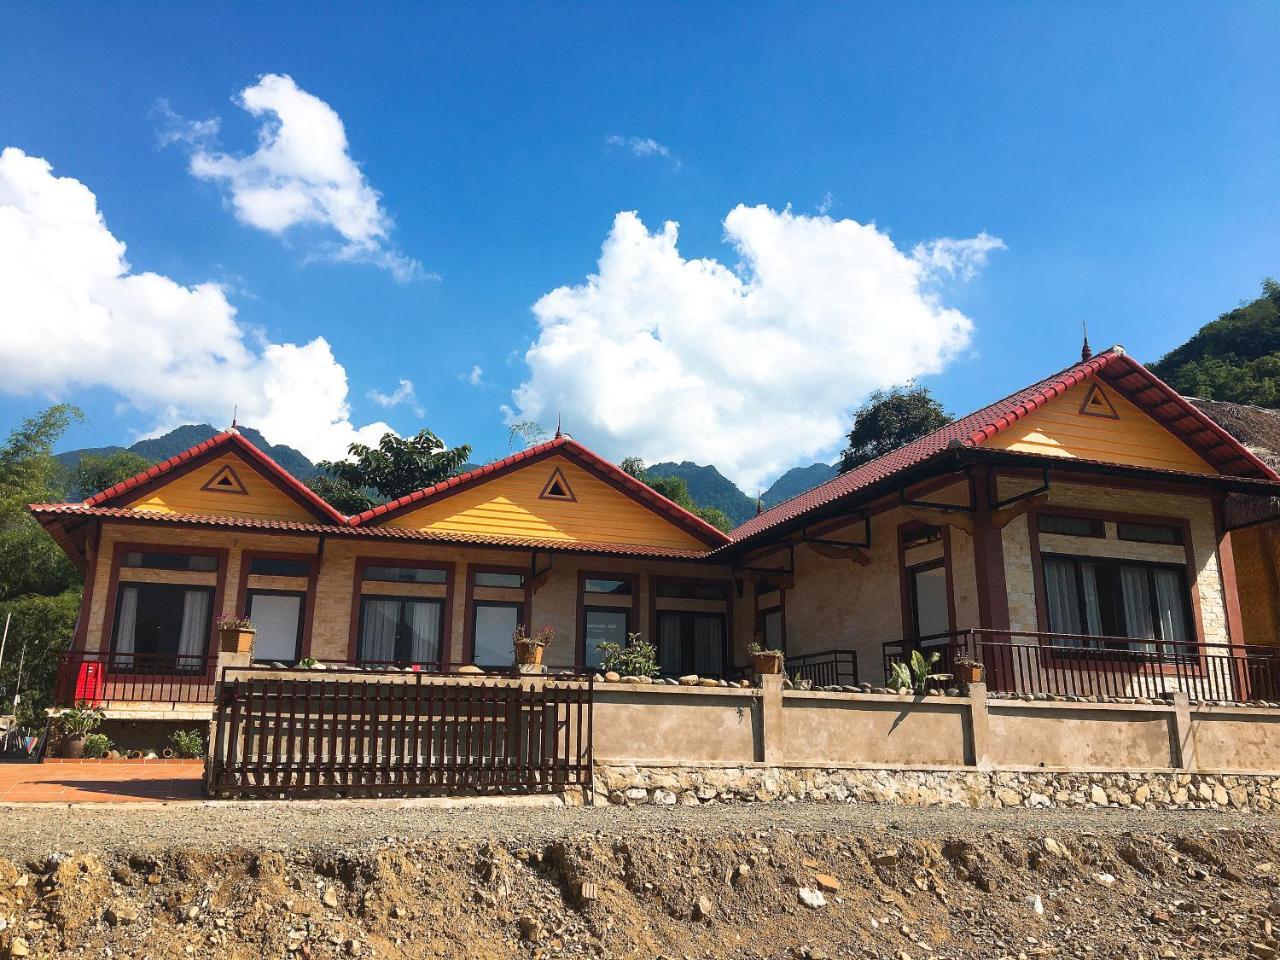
(1126, 157)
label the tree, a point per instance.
(889, 419)
(1234, 358)
(395, 467)
(526, 433)
(677, 491)
(38, 585)
(340, 495)
(95, 473)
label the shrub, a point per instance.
(634, 659)
(97, 745)
(188, 743)
(80, 720)
(918, 674)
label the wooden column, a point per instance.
(988, 555)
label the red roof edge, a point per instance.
(1070, 378)
(227, 438)
(592, 462)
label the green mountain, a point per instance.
(187, 436)
(1234, 358)
(796, 481)
(709, 488)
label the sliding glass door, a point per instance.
(161, 627)
(400, 630)
(690, 642)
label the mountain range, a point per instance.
(707, 485)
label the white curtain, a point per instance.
(1063, 597)
(424, 630)
(378, 631)
(708, 646)
(1092, 608)
(1137, 608)
(126, 629)
(193, 639)
(1169, 602)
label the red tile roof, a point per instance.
(565, 446)
(204, 450)
(1131, 378)
(52, 511)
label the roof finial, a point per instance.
(559, 432)
(1085, 351)
(759, 503)
(235, 409)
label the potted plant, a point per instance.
(968, 670)
(765, 662)
(235, 634)
(75, 724)
(800, 683)
(637, 658)
(529, 648)
(916, 675)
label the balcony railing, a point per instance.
(1075, 665)
(102, 679)
(829, 668)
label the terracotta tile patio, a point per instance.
(96, 781)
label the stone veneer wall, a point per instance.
(630, 785)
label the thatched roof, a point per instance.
(1258, 428)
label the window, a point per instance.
(621, 588)
(404, 574)
(696, 591)
(1071, 526)
(691, 642)
(1149, 533)
(490, 578)
(400, 630)
(557, 487)
(161, 627)
(492, 625)
(919, 536)
(771, 629)
(1114, 598)
(603, 625)
(277, 616)
(168, 561)
(930, 610)
(279, 567)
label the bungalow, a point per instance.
(1073, 533)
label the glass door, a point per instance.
(400, 630)
(691, 642)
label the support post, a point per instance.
(1184, 748)
(988, 555)
(979, 726)
(771, 732)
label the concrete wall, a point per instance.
(640, 724)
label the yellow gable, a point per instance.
(1092, 421)
(227, 486)
(551, 499)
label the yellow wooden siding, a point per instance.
(509, 505)
(1059, 429)
(262, 498)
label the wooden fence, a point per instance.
(414, 734)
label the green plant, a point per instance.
(306, 663)
(917, 674)
(540, 639)
(187, 743)
(635, 658)
(80, 720)
(97, 745)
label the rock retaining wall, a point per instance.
(632, 785)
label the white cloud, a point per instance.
(403, 394)
(74, 315)
(752, 367)
(302, 174)
(642, 147)
(475, 377)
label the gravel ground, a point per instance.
(27, 832)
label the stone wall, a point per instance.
(696, 785)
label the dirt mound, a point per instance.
(766, 893)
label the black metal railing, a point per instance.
(101, 678)
(1057, 664)
(426, 733)
(827, 668)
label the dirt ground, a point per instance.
(763, 881)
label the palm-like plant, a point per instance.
(917, 674)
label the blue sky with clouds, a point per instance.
(408, 182)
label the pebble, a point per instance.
(811, 898)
